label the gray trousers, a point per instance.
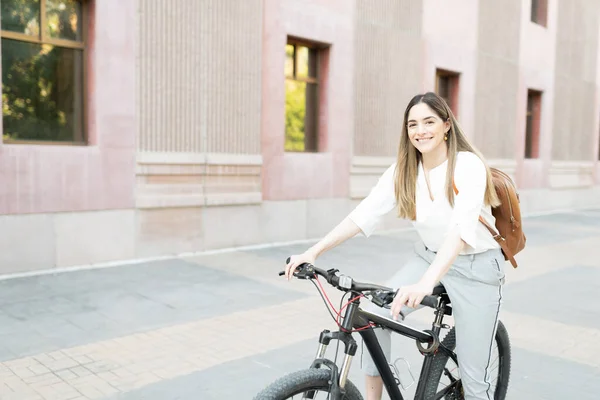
(474, 285)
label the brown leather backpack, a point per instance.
(509, 231)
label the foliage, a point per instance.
(39, 81)
(295, 111)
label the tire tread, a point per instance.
(300, 381)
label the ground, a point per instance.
(223, 326)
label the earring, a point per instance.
(445, 137)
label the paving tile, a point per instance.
(121, 302)
(533, 376)
(568, 295)
(187, 329)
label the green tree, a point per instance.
(38, 80)
(295, 111)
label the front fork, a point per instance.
(339, 376)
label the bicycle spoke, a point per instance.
(450, 376)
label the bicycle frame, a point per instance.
(357, 318)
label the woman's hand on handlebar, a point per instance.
(296, 260)
(411, 296)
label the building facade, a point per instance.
(144, 128)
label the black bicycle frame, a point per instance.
(357, 318)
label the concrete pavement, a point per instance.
(224, 326)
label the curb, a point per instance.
(118, 263)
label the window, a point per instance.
(42, 70)
(301, 97)
(539, 11)
(532, 128)
(446, 86)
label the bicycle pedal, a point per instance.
(397, 373)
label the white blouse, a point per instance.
(435, 218)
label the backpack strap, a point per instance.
(495, 234)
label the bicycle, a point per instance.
(324, 375)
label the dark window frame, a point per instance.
(539, 12)
(533, 124)
(44, 38)
(453, 79)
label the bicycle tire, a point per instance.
(441, 358)
(302, 381)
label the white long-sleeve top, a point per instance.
(435, 218)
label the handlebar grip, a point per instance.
(282, 273)
(430, 301)
(301, 270)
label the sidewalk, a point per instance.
(223, 326)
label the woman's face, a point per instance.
(426, 129)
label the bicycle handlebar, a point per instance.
(345, 283)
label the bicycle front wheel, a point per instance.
(310, 381)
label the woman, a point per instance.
(455, 249)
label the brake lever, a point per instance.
(303, 271)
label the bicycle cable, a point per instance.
(326, 306)
(339, 318)
(337, 347)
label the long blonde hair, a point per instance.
(409, 157)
